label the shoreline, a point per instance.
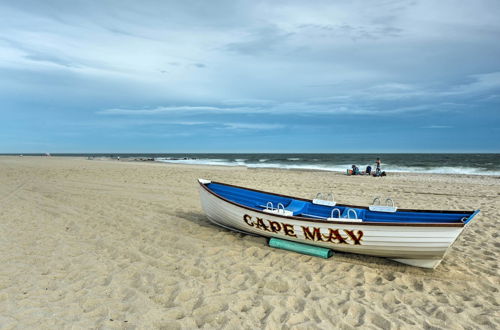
(433, 170)
(340, 173)
(408, 175)
(302, 169)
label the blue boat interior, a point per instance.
(301, 208)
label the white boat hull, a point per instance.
(420, 246)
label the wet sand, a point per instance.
(116, 244)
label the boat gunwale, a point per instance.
(367, 223)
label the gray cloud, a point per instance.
(281, 108)
(276, 57)
(252, 126)
(352, 32)
(396, 98)
(259, 41)
(49, 58)
(438, 127)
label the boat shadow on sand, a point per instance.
(201, 219)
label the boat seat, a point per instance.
(296, 206)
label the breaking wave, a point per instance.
(299, 163)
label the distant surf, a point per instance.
(472, 164)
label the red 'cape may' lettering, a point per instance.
(309, 233)
(260, 224)
(314, 236)
(334, 235)
(275, 226)
(356, 239)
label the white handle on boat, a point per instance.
(389, 200)
(376, 199)
(349, 212)
(281, 209)
(269, 206)
(338, 211)
(326, 202)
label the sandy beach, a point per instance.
(125, 245)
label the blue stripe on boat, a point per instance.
(258, 200)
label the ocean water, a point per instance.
(478, 164)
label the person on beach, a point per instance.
(377, 170)
(368, 170)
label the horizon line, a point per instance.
(214, 152)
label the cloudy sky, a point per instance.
(249, 76)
